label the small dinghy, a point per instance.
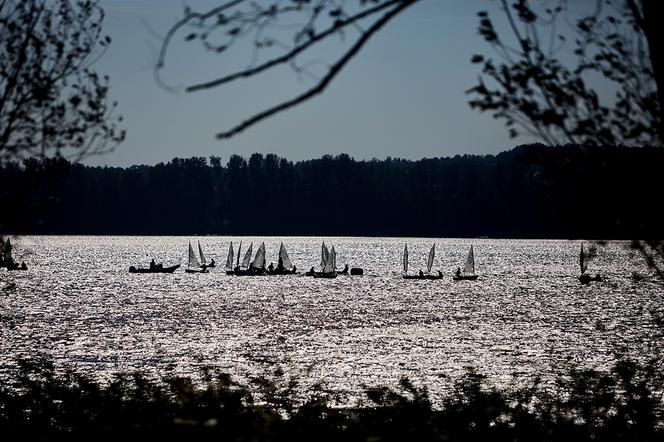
(204, 263)
(158, 268)
(330, 264)
(468, 273)
(421, 275)
(585, 278)
(284, 265)
(194, 266)
(257, 266)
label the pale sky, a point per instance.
(403, 96)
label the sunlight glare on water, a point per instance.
(526, 314)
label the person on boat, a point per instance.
(211, 263)
(270, 268)
(294, 269)
(311, 271)
(345, 270)
(421, 274)
(24, 267)
(458, 271)
(440, 274)
(152, 264)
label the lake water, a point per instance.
(526, 314)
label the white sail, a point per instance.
(259, 259)
(229, 258)
(328, 266)
(469, 268)
(405, 258)
(193, 261)
(432, 254)
(200, 252)
(247, 256)
(285, 260)
(583, 262)
(324, 254)
(7, 252)
(333, 258)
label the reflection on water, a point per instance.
(526, 314)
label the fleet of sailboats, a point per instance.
(421, 274)
(198, 263)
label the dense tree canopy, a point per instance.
(531, 191)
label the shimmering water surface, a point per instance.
(526, 314)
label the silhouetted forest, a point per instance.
(529, 191)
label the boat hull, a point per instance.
(464, 277)
(248, 272)
(324, 275)
(203, 270)
(171, 269)
(281, 272)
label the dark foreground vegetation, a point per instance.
(530, 191)
(42, 404)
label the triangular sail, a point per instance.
(324, 254)
(229, 258)
(200, 252)
(7, 252)
(259, 259)
(328, 266)
(583, 262)
(193, 261)
(432, 254)
(285, 260)
(239, 249)
(469, 268)
(247, 256)
(405, 258)
(333, 258)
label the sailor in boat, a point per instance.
(152, 264)
(311, 271)
(458, 271)
(421, 274)
(211, 263)
(344, 271)
(25, 267)
(270, 268)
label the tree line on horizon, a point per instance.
(531, 191)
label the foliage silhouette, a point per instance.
(42, 403)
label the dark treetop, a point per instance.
(530, 191)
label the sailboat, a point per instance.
(6, 259)
(284, 266)
(193, 262)
(405, 266)
(329, 266)
(257, 266)
(324, 254)
(468, 273)
(585, 278)
(432, 254)
(229, 258)
(204, 262)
